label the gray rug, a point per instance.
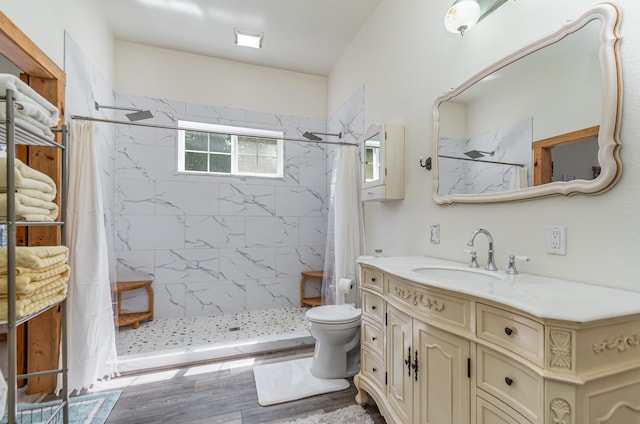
(354, 414)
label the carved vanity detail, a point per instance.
(515, 351)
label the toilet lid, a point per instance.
(338, 314)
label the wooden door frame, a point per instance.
(49, 80)
(542, 161)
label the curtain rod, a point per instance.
(173, 127)
(485, 161)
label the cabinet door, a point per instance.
(442, 392)
(400, 383)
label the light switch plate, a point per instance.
(435, 234)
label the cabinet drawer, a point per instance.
(515, 332)
(487, 413)
(372, 366)
(372, 337)
(372, 307)
(515, 384)
(372, 279)
(430, 304)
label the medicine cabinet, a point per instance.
(383, 163)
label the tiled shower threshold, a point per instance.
(173, 341)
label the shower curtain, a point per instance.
(92, 346)
(344, 222)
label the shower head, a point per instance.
(313, 135)
(475, 154)
(136, 115)
(140, 115)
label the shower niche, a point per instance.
(383, 163)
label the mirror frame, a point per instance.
(372, 131)
(608, 141)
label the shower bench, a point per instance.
(134, 317)
(311, 301)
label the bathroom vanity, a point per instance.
(445, 343)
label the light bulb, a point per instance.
(461, 16)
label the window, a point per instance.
(222, 149)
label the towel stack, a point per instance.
(35, 192)
(33, 111)
(41, 278)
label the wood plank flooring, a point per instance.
(208, 394)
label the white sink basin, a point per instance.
(458, 274)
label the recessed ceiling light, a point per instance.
(248, 39)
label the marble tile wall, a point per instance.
(510, 144)
(216, 244)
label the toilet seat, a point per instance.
(333, 314)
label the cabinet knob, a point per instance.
(373, 308)
(508, 331)
(373, 279)
(373, 338)
(508, 380)
(374, 369)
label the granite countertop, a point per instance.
(543, 297)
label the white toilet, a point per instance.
(336, 329)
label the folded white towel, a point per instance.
(24, 93)
(27, 122)
(36, 112)
(30, 208)
(27, 178)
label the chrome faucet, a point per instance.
(491, 265)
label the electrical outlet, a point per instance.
(557, 239)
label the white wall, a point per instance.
(169, 74)
(45, 21)
(406, 59)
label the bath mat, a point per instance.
(354, 414)
(290, 380)
(88, 409)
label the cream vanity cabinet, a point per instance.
(383, 163)
(438, 356)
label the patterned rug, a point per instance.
(88, 409)
(354, 414)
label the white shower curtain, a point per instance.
(344, 222)
(92, 347)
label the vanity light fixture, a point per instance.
(248, 39)
(462, 16)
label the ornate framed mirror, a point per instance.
(502, 135)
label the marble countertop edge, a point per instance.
(543, 297)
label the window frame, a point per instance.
(234, 132)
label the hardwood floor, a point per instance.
(216, 393)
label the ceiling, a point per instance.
(299, 35)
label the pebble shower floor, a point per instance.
(171, 333)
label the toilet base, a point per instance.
(330, 361)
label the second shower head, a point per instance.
(475, 154)
(313, 135)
